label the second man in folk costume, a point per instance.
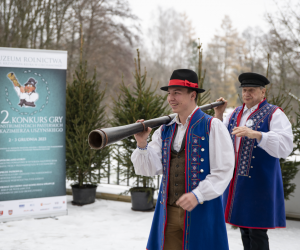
(261, 134)
(194, 153)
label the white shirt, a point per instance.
(278, 142)
(221, 157)
(29, 97)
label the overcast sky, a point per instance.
(207, 15)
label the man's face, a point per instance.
(253, 95)
(180, 100)
(29, 88)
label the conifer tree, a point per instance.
(136, 102)
(203, 98)
(289, 168)
(85, 112)
(296, 131)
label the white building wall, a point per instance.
(292, 206)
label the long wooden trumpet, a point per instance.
(99, 138)
(14, 79)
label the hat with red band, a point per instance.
(184, 78)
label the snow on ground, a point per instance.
(109, 225)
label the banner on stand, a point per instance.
(32, 133)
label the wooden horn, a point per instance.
(99, 138)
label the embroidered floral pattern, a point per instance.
(233, 122)
(195, 162)
(248, 144)
(165, 161)
(165, 164)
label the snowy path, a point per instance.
(109, 225)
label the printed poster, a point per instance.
(32, 133)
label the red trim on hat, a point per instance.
(184, 83)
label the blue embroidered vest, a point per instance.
(254, 197)
(204, 226)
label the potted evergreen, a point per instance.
(137, 102)
(85, 112)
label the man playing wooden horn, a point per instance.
(261, 134)
(194, 153)
(27, 94)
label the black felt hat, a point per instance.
(250, 79)
(184, 78)
(31, 81)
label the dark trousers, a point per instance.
(255, 239)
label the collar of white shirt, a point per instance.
(250, 109)
(176, 119)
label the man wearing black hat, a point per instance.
(261, 134)
(196, 157)
(27, 94)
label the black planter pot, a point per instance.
(142, 199)
(84, 195)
